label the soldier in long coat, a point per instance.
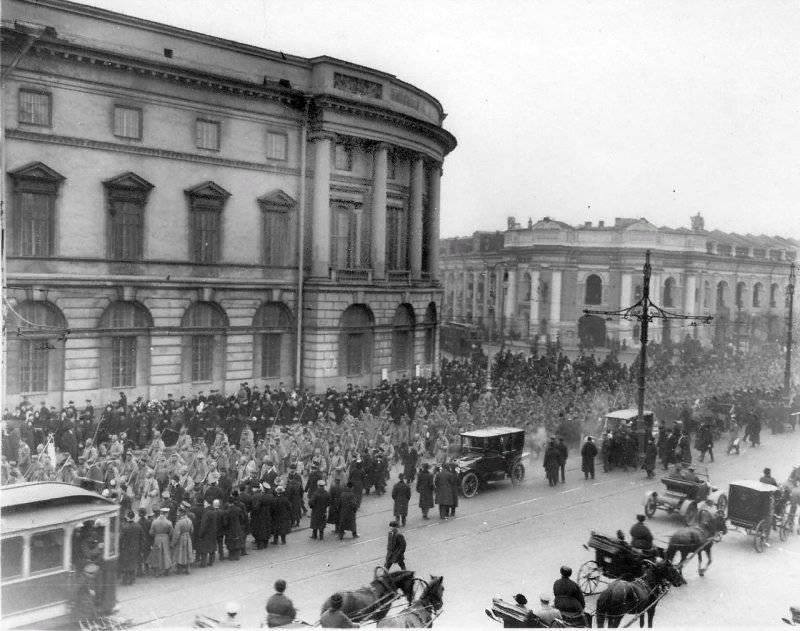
(261, 516)
(281, 516)
(130, 548)
(182, 550)
(207, 537)
(318, 503)
(401, 494)
(425, 489)
(233, 530)
(294, 493)
(335, 502)
(161, 531)
(357, 480)
(348, 505)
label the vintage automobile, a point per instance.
(686, 492)
(488, 455)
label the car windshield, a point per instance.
(473, 443)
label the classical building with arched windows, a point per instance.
(163, 189)
(533, 283)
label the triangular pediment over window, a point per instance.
(37, 171)
(129, 181)
(208, 190)
(277, 200)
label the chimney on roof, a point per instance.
(601, 224)
(587, 224)
(697, 223)
(617, 221)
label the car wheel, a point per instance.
(469, 484)
(517, 473)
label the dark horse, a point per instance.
(421, 612)
(637, 597)
(697, 539)
(373, 602)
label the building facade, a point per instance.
(533, 283)
(163, 189)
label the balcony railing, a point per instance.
(358, 275)
(399, 276)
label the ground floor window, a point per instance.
(202, 357)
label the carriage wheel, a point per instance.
(691, 514)
(517, 473)
(469, 484)
(589, 576)
(760, 536)
(722, 504)
(650, 507)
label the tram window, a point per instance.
(47, 550)
(11, 557)
(112, 546)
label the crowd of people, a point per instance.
(198, 477)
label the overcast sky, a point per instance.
(577, 110)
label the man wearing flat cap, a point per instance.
(395, 547)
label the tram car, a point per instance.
(51, 532)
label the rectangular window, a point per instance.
(396, 247)
(33, 365)
(277, 146)
(11, 559)
(207, 134)
(429, 345)
(270, 355)
(276, 238)
(202, 357)
(35, 224)
(345, 239)
(123, 362)
(343, 157)
(355, 353)
(47, 550)
(127, 234)
(128, 122)
(34, 108)
(392, 166)
(205, 235)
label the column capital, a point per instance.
(381, 146)
(322, 135)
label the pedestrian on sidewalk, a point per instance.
(550, 463)
(318, 502)
(395, 548)
(562, 457)
(650, 455)
(588, 454)
(401, 494)
(425, 489)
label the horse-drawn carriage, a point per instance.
(614, 559)
(752, 508)
(686, 492)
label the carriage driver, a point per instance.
(641, 537)
(568, 596)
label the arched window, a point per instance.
(669, 292)
(272, 342)
(757, 290)
(35, 331)
(594, 290)
(403, 338)
(430, 325)
(125, 356)
(356, 341)
(706, 294)
(740, 290)
(722, 294)
(204, 342)
(773, 295)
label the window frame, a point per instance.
(23, 90)
(282, 134)
(274, 341)
(207, 121)
(10, 577)
(36, 179)
(127, 188)
(133, 108)
(199, 361)
(397, 244)
(347, 148)
(207, 199)
(25, 366)
(127, 365)
(53, 569)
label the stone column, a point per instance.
(498, 297)
(511, 300)
(534, 317)
(415, 242)
(321, 206)
(690, 286)
(626, 300)
(485, 311)
(378, 249)
(463, 281)
(476, 277)
(654, 328)
(433, 237)
(555, 301)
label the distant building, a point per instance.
(154, 179)
(533, 283)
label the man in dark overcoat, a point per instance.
(425, 489)
(294, 493)
(318, 503)
(348, 506)
(588, 454)
(261, 517)
(395, 548)
(335, 503)
(130, 546)
(401, 494)
(281, 516)
(410, 459)
(233, 530)
(210, 526)
(550, 463)
(562, 457)
(357, 481)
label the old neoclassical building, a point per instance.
(163, 189)
(534, 282)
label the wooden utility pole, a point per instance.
(644, 311)
(787, 371)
